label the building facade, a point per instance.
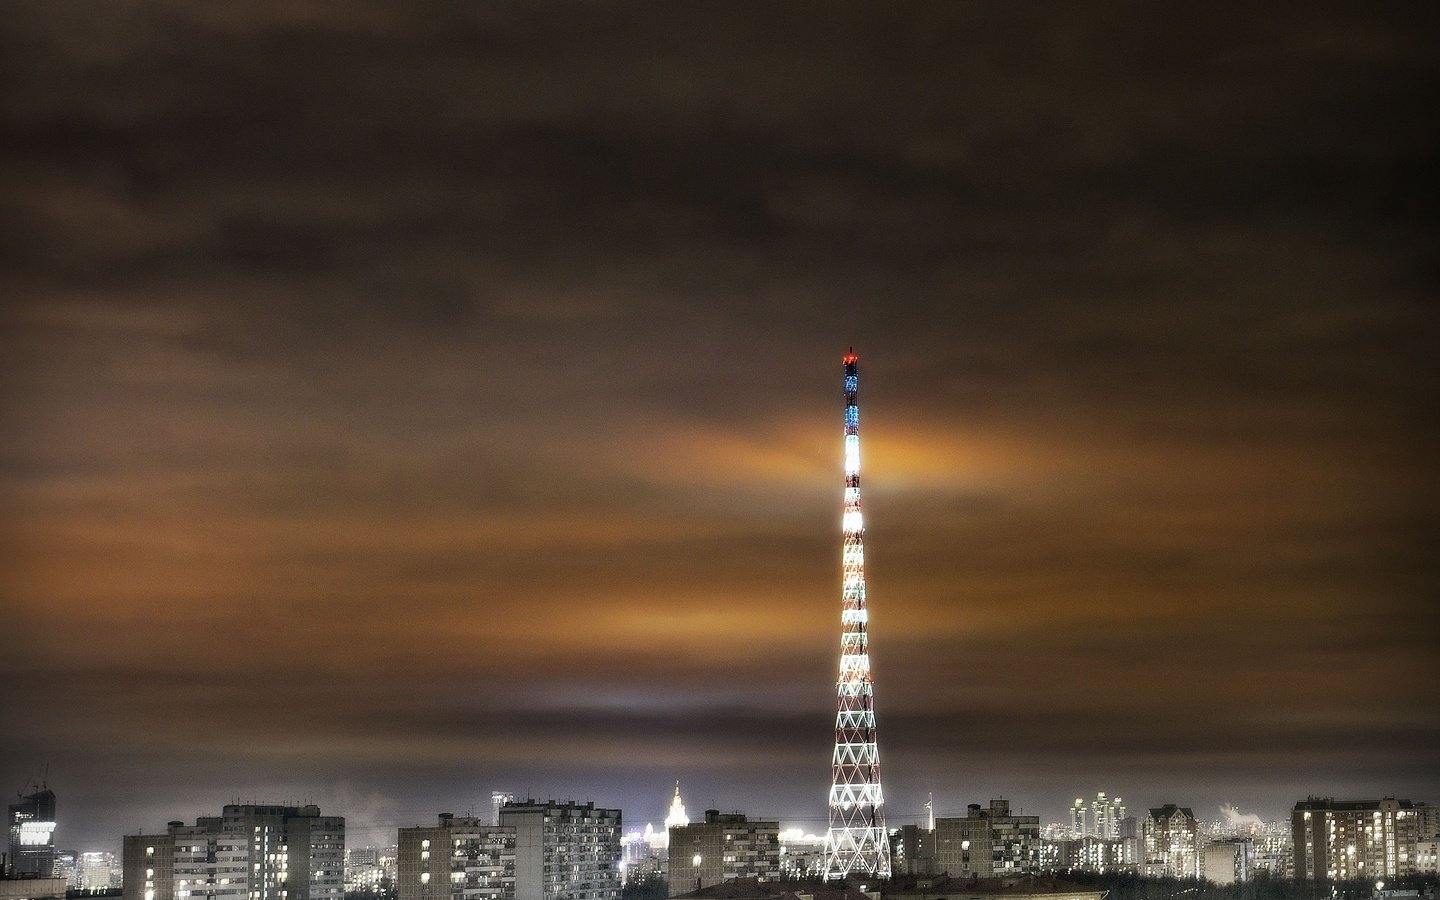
(912, 850)
(987, 842)
(368, 870)
(498, 799)
(98, 870)
(802, 855)
(456, 859)
(248, 852)
(1427, 856)
(1274, 850)
(147, 865)
(1171, 843)
(564, 851)
(724, 847)
(1092, 854)
(52, 888)
(1227, 861)
(1344, 839)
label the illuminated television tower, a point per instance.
(856, 844)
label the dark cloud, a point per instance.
(454, 390)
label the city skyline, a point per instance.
(404, 405)
(1225, 816)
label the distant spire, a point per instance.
(677, 817)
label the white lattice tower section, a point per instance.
(856, 843)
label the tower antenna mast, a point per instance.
(856, 843)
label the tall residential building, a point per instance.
(1100, 819)
(1077, 819)
(456, 859)
(1342, 839)
(724, 847)
(856, 842)
(32, 835)
(564, 851)
(987, 842)
(1105, 816)
(248, 852)
(1171, 842)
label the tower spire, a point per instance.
(856, 843)
(677, 817)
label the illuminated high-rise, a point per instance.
(1077, 819)
(1106, 815)
(32, 835)
(856, 843)
(677, 817)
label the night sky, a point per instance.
(405, 403)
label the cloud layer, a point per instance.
(407, 404)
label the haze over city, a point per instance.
(405, 403)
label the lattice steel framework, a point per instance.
(856, 844)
